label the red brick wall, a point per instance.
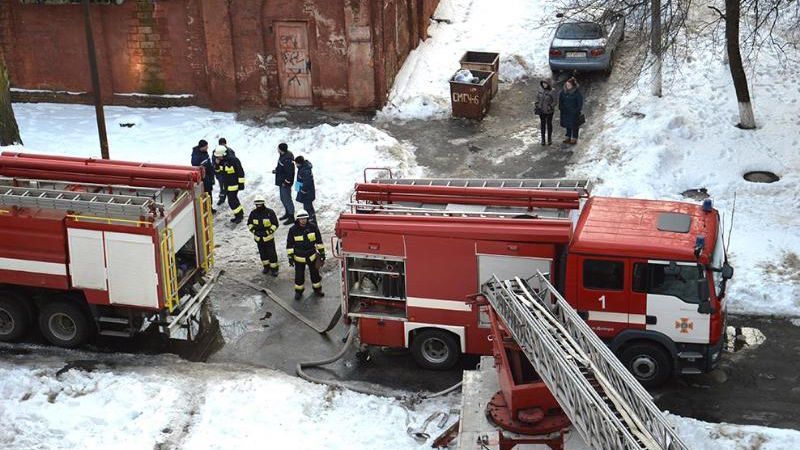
(221, 51)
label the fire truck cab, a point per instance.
(101, 247)
(647, 276)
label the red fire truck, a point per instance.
(96, 246)
(648, 276)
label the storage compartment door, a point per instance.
(87, 263)
(183, 226)
(507, 267)
(132, 275)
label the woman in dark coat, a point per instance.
(570, 102)
(306, 191)
(546, 100)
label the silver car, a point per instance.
(587, 46)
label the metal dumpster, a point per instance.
(471, 100)
(485, 61)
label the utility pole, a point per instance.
(98, 98)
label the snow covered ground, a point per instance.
(139, 402)
(657, 148)
(519, 30)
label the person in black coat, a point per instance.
(284, 178)
(233, 176)
(570, 102)
(304, 247)
(200, 158)
(263, 223)
(306, 192)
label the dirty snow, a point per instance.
(519, 30)
(658, 148)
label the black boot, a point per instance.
(221, 200)
(289, 220)
(298, 295)
(237, 219)
(274, 272)
(319, 293)
(284, 216)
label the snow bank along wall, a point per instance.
(226, 54)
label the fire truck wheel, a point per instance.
(14, 320)
(435, 349)
(648, 363)
(63, 324)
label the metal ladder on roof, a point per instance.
(83, 202)
(607, 406)
(583, 187)
(404, 210)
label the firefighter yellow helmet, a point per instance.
(220, 151)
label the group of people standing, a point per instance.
(570, 105)
(304, 244)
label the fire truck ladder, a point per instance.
(169, 270)
(207, 223)
(462, 211)
(83, 202)
(583, 187)
(607, 406)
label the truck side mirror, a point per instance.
(727, 271)
(703, 294)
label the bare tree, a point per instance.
(747, 120)
(9, 131)
(655, 46)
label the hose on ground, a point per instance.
(351, 333)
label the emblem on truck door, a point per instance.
(684, 325)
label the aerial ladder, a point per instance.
(607, 407)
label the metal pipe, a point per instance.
(449, 199)
(96, 161)
(491, 192)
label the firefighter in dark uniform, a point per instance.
(233, 175)
(220, 175)
(263, 222)
(304, 246)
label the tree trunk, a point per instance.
(655, 45)
(9, 131)
(746, 119)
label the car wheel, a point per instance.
(64, 324)
(435, 349)
(649, 364)
(610, 67)
(14, 320)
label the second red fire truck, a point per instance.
(649, 277)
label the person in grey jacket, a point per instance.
(545, 107)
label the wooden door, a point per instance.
(294, 63)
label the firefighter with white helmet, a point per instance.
(232, 174)
(263, 222)
(305, 248)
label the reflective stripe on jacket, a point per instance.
(262, 222)
(303, 243)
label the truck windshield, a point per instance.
(655, 279)
(580, 30)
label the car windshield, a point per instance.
(581, 30)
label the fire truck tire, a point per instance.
(64, 324)
(435, 349)
(14, 320)
(649, 363)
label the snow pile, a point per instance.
(723, 436)
(519, 30)
(162, 402)
(338, 153)
(658, 148)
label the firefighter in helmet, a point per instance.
(305, 248)
(263, 222)
(232, 173)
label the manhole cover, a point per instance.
(761, 176)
